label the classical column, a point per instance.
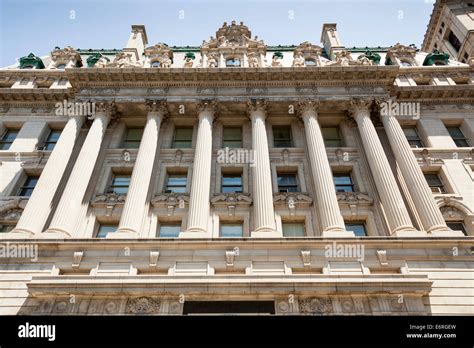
(37, 210)
(429, 213)
(135, 203)
(392, 201)
(65, 218)
(198, 216)
(263, 213)
(327, 206)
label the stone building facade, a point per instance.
(237, 177)
(451, 29)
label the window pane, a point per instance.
(231, 230)
(455, 132)
(105, 229)
(170, 230)
(133, 138)
(287, 179)
(433, 180)
(331, 136)
(282, 136)
(176, 183)
(410, 132)
(457, 226)
(7, 139)
(232, 137)
(342, 179)
(6, 228)
(293, 229)
(27, 189)
(183, 138)
(120, 184)
(357, 228)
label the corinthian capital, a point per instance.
(306, 106)
(157, 106)
(256, 104)
(209, 105)
(105, 107)
(359, 105)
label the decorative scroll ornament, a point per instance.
(123, 60)
(67, 57)
(159, 55)
(257, 104)
(143, 306)
(307, 105)
(209, 105)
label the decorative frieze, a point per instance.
(171, 201)
(231, 201)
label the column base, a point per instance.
(447, 233)
(338, 234)
(410, 233)
(266, 234)
(17, 235)
(195, 234)
(53, 234)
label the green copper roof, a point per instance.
(31, 61)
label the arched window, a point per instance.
(405, 63)
(310, 62)
(155, 64)
(61, 66)
(232, 62)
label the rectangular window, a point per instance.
(435, 183)
(5, 228)
(120, 184)
(454, 41)
(293, 229)
(343, 183)
(332, 137)
(287, 183)
(357, 227)
(457, 226)
(27, 189)
(232, 137)
(105, 229)
(412, 136)
(8, 138)
(232, 183)
(170, 230)
(52, 139)
(458, 136)
(183, 138)
(231, 230)
(176, 183)
(132, 139)
(282, 136)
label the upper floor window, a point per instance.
(412, 136)
(293, 229)
(231, 230)
(454, 41)
(27, 188)
(287, 183)
(232, 183)
(132, 139)
(8, 138)
(309, 62)
(52, 139)
(176, 183)
(332, 137)
(343, 182)
(155, 64)
(282, 136)
(120, 184)
(458, 136)
(61, 66)
(104, 229)
(232, 137)
(169, 230)
(435, 183)
(232, 62)
(358, 227)
(405, 63)
(5, 228)
(457, 226)
(183, 138)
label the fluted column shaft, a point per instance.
(430, 215)
(326, 199)
(264, 213)
(39, 205)
(198, 218)
(132, 214)
(66, 215)
(392, 201)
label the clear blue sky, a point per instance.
(39, 25)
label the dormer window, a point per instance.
(309, 62)
(155, 64)
(232, 62)
(405, 63)
(61, 66)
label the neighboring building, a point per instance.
(237, 177)
(451, 29)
